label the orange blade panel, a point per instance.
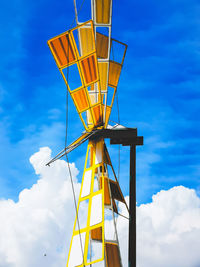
(87, 43)
(89, 69)
(103, 11)
(108, 111)
(112, 255)
(114, 73)
(101, 45)
(107, 200)
(97, 113)
(62, 50)
(96, 234)
(80, 100)
(103, 75)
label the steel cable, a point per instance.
(68, 164)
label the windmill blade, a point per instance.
(109, 70)
(85, 58)
(110, 54)
(73, 56)
(102, 17)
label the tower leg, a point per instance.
(132, 207)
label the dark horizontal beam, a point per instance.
(115, 133)
(127, 141)
(124, 136)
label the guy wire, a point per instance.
(77, 12)
(68, 164)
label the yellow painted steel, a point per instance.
(114, 73)
(77, 47)
(97, 159)
(67, 51)
(109, 71)
(80, 139)
(102, 45)
(108, 111)
(91, 160)
(107, 197)
(103, 73)
(87, 40)
(102, 10)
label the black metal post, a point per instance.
(132, 207)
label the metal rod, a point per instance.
(132, 207)
(71, 147)
(76, 13)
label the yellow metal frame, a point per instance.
(108, 110)
(91, 159)
(77, 61)
(91, 149)
(104, 109)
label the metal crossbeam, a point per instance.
(124, 136)
(72, 146)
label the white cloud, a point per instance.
(168, 230)
(41, 222)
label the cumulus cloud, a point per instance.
(168, 230)
(41, 221)
(36, 230)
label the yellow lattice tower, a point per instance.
(98, 192)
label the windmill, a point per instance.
(90, 62)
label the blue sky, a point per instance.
(158, 93)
